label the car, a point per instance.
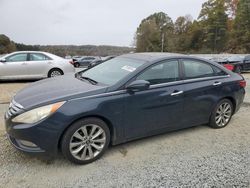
(76, 58)
(33, 65)
(234, 62)
(239, 62)
(85, 61)
(126, 98)
(92, 64)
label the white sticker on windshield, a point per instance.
(128, 68)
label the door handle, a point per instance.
(176, 93)
(217, 83)
(24, 63)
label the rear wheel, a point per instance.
(85, 141)
(238, 70)
(77, 64)
(222, 114)
(55, 72)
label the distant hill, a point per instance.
(7, 46)
(72, 50)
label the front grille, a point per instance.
(14, 109)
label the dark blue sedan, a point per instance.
(129, 97)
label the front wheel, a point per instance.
(85, 141)
(222, 114)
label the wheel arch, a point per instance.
(233, 101)
(107, 121)
(227, 97)
(54, 68)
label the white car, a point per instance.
(33, 65)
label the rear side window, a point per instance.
(165, 72)
(197, 69)
(38, 57)
(218, 71)
(17, 58)
(89, 58)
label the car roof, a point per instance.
(30, 52)
(53, 56)
(152, 56)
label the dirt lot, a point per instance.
(195, 157)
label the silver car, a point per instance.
(33, 65)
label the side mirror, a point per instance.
(138, 85)
(2, 60)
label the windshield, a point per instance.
(112, 71)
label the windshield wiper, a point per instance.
(89, 80)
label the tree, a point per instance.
(231, 6)
(214, 19)
(6, 45)
(148, 37)
(241, 27)
(182, 33)
(155, 33)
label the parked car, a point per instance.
(85, 61)
(234, 62)
(33, 65)
(129, 97)
(92, 64)
(239, 62)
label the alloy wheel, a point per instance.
(55, 73)
(87, 142)
(223, 114)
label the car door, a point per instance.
(14, 66)
(38, 65)
(158, 108)
(86, 61)
(203, 87)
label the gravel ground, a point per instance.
(194, 157)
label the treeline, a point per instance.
(89, 50)
(222, 26)
(8, 46)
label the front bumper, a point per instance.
(19, 144)
(41, 138)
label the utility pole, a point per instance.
(162, 42)
(162, 36)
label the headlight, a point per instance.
(37, 114)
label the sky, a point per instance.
(82, 22)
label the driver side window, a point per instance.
(164, 72)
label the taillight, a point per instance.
(71, 62)
(242, 83)
(229, 67)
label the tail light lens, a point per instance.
(242, 83)
(229, 67)
(71, 62)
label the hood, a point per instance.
(54, 90)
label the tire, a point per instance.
(55, 72)
(238, 70)
(76, 145)
(221, 114)
(77, 65)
